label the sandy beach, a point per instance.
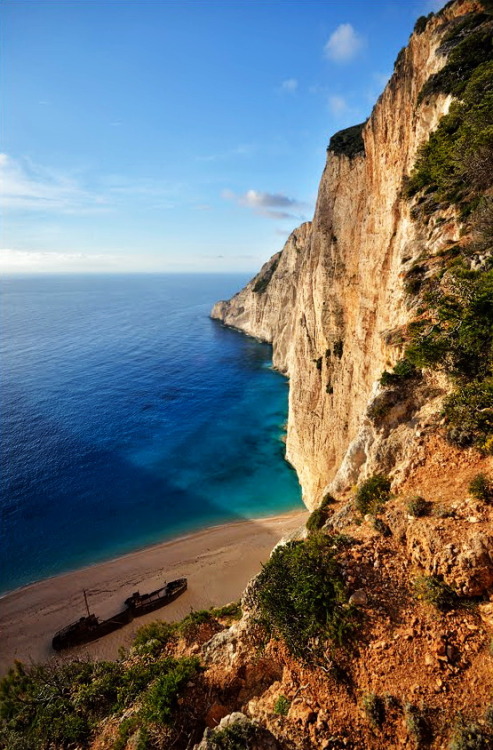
(218, 563)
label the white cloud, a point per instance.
(337, 105)
(289, 86)
(272, 205)
(256, 198)
(30, 186)
(17, 261)
(343, 44)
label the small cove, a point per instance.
(129, 418)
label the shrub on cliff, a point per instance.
(59, 704)
(457, 337)
(403, 371)
(482, 488)
(348, 142)
(319, 516)
(153, 637)
(56, 704)
(457, 160)
(469, 411)
(161, 698)
(434, 591)
(301, 596)
(469, 45)
(421, 23)
(372, 494)
(470, 736)
(417, 506)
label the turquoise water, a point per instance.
(130, 417)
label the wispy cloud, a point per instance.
(272, 205)
(337, 105)
(29, 186)
(244, 149)
(20, 260)
(154, 194)
(289, 86)
(344, 44)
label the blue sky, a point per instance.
(178, 135)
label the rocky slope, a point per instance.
(332, 302)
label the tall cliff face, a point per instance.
(333, 301)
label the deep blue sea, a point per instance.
(129, 417)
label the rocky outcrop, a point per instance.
(333, 301)
(453, 550)
(237, 730)
(265, 307)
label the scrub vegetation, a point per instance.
(301, 597)
(454, 329)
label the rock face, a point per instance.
(332, 302)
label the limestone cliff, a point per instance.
(332, 302)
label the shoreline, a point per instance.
(218, 562)
(145, 548)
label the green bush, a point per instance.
(374, 708)
(281, 706)
(417, 506)
(232, 610)
(417, 725)
(421, 23)
(456, 162)
(59, 704)
(471, 737)
(301, 596)
(128, 727)
(134, 681)
(372, 494)
(414, 278)
(56, 704)
(161, 698)
(153, 637)
(403, 370)
(488, 715)
(469, 410)
(348, 142)
(381, 527)
(432, 590)
(316, 520)
(470, 45)
(319, 516)
(458, 337)
(190, 624)
(481, 487)
(238, 736)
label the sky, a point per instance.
(177, 135)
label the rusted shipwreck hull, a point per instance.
(89, 629)
(141, 604)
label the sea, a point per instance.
(130, 417)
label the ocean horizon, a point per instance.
(130, 418)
